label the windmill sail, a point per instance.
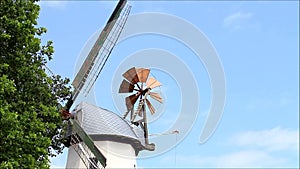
(101, 50)
(153, 83)
(85, 79)
(156, 96)
(85, 147)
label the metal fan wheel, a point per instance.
(137, 82)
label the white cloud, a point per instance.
(237, 159)
(252, 149)
(249, 159)
(236, 20)
(276, 139)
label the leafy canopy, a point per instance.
(29, 117)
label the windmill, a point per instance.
(140, 86)
(77, 138)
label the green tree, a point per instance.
(30, 121)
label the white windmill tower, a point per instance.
(99, 138)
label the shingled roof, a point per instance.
(101, 124)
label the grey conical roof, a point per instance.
(102, 124)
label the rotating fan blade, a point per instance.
(156, 96)
(142, 74)
(131, 75)
(126, 87)
(153, 83)
(130, 101)
(151, 108)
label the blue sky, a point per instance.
(258, 45)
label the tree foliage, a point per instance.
(29, 117)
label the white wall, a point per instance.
(73, 160)
(118, 155)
